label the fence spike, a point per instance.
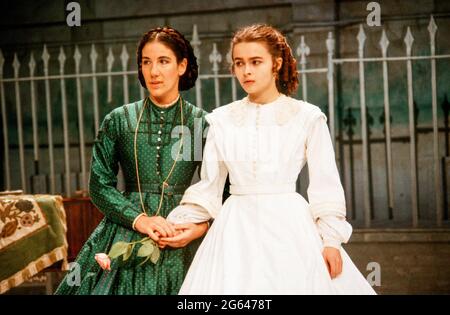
(330, 43)
(61, 59)
(16, 65)
(303, 50)
(195, 42)
(361, 37)
(109, 64)
(93, 57)
(32, 65)
(45, 59)
(384, 43)
(432, 28)
(124, 58)
(215, 58)
(77, 58)
(109, 60)
(409, 39)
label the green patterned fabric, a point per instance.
(114, 146)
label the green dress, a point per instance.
(114, 146)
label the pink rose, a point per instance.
(103, 260)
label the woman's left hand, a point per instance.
(333, 260)
(187, 233)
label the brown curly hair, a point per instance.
(180, 47)
(287, 76)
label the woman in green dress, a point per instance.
(145, 138)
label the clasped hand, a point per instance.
(165, 233)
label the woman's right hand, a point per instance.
(155, 227)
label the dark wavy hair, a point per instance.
(180, 47)
(287, 76)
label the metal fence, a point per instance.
(215, 59)
(408, 58)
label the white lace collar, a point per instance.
(285, 110)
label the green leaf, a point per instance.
(145, 239)
(118, 249)
(146, 249)
(128, 252)
(145, 260)
(155, 255)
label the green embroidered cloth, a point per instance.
(158, 136)
(32, 236)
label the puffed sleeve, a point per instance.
(103, 179)
(325, 191)
(203, 200)
(188, 213)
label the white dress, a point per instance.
(266, 238)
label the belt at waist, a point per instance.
(262, 189)
(156, 188)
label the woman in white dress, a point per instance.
(266, 238)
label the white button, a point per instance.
(159, 139)
(159, 132)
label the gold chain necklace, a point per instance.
(164, 184)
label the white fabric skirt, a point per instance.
(267, 244)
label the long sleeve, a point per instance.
(188, 213)
(103, 178)
(208, 192)
(325, 191)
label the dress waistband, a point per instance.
(156, 188)
(262, 189)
